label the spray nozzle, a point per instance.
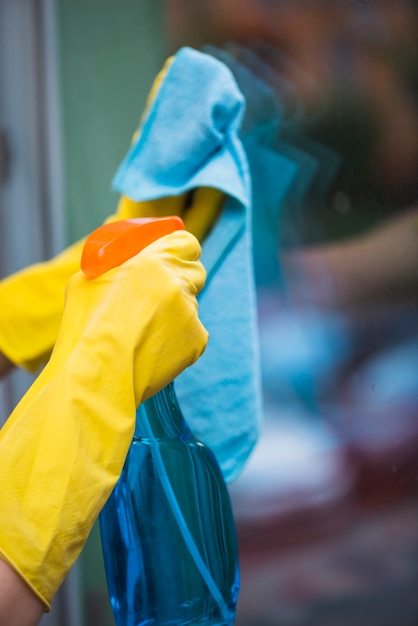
(114, 243)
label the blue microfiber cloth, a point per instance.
(190, 138)
(273, 174)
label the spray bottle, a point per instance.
(167, 530)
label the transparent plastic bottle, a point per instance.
(168, 533)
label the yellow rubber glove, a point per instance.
(32, 300)
(123, 337)
(31, 305)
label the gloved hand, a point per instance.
(32, 300)
(123, 337)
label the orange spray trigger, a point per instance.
(114, 243)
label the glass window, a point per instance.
(327, 506)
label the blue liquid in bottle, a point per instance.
(168, 534)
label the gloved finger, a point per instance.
(185, 249)
(160, 207)
(199, 209)
(205, 207)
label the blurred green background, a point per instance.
(108, 58)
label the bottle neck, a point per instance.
(160, 417)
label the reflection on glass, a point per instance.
(327, 507)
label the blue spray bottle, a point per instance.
(168, 534)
